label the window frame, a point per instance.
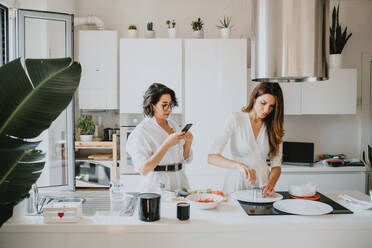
(4, 34)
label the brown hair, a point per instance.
(152, 96)
(273, 121)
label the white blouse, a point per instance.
(246, 149)
(143, 142)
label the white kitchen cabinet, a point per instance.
(292, 98)
(338, 95)
(215, 86)
(147, 61)
(336, 180)
(98, 55)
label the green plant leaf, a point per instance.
(12, 151)
(338, 39)
(27, 109)
(12, 143)
(37, 107)
(19, 182)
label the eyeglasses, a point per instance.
(166, 107)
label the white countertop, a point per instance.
(227, 217)
(226, 226)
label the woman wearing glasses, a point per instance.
(255, 136)
(157, 146)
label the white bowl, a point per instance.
(303, 190)
(204, 205)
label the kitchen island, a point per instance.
(226, 226)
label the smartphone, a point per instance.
(186, 127)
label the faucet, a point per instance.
(37, 202)
(35, 198)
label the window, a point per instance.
(4, 51)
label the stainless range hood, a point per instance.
(290, 40)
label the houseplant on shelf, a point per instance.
(197, 27)
(172, 32)
(225, 27)
(337, 39)
(150, 32)
(132, 31)
(86, 128)
(27, 109)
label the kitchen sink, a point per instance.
(91, 201)
(73, 199)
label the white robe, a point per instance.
(244, 148)
(143, 142)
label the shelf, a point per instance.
(85, 158)
(94, 145)
(111, 160)
(80, 183)
(106, 163)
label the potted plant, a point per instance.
(132, 31)
(337, 40)
(86, 128)
(172, 32)
(367, 161)
(27, 110)
(225, 27)
(197, 27)
(150, 33)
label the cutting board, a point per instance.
(101, 156)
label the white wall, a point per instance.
(118, 14)
(331, 134)
(65, 6)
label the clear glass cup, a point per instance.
(116, 191)
(168, 196)
(256, 193)
(129, 204)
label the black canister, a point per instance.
(149, 207)
(107, 134)
(183, 211)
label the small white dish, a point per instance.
(204, 205)
(355, 203)
(303, 190)
(302, 207)
(249, 196)
(360, 206)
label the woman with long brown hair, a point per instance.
(255, 136)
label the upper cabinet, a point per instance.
(215, 86)
(147, 61)
(98, 55)
(292, 98)
(338, 95)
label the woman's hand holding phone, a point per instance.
(188, 137)
(174, 138)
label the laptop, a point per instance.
(298, 153)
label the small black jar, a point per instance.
(183, 210)
(149, 207)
